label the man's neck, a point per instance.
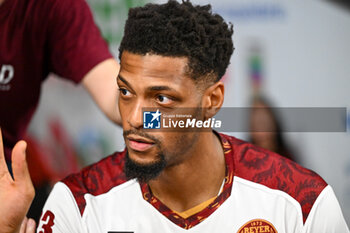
(194, 181)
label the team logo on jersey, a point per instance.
(257, 226)
(151, 120)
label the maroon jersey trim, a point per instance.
(97, 179)
(276, 172)
(195, 219)
(242, 159)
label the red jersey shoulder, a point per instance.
(276, 172)
(97, 178)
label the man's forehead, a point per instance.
(153, 65)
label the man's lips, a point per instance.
(139, 143)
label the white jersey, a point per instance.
(263, 192)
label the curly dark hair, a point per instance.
(181, 30)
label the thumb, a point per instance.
(19, 163)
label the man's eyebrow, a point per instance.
(160, 88)
(149, 89)
(123, 80)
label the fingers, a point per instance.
(20, 168)
(3, 166)
(23, 225)
(19, 163)
(27, 226)
(30, 226)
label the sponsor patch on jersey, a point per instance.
(257, 226)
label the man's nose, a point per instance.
(135, 116)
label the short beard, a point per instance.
(144, 173)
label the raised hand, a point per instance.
(17, 193)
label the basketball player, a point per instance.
(172, 57)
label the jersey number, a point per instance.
(49, 217)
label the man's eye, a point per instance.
(124, 92)
(163, 99)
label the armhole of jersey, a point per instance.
(328, 196)
(71, 196)
(320, 197)
(60, 212)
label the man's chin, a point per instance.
(144, 169)
(142, 158)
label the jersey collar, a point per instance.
(195, 219)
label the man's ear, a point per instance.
(213, 99)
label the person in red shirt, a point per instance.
(39, 37)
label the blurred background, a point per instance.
(291, 53)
